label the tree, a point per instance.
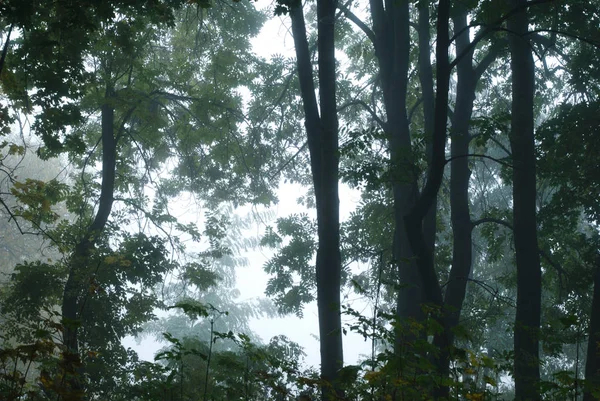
(321, 125)
(414, 219)
(468, 76)
(529, 276)
(128, 88)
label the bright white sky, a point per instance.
(276, 38)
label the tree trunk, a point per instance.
(392, 46)
(426, 80)
(459, 177)
(322, 133)
(527, 323)
(592, 362)
(414, 220)
(79, 274)
(462, 253)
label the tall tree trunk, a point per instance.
(462, 254)
(79, 272)
(527, 323)
(392, 46)
(322, 133)
(426, 80)
(592, 362)
(460, 175)
(414, 220)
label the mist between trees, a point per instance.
(143, 139)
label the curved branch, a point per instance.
(481, 156)
(590, 42)
(506, 224)
(487, 29)
(358, 22)
(483, 220)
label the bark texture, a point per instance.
(527, 322)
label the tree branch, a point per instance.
(367, 108)
(358, 22)
(590, 42)
(483, 220)
(5, 49)
(506, 224)
(488, 59)
(480, 156)
(487, 29)
(413, 109)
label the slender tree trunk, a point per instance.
(527, 323)
(328, 266)
(322, 132)
(414, 220)
(392, 46)
(427, 93)
(79, 272)
(468, 76)
(592, 363)
(460, 174)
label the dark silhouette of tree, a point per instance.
(321, 125)
(529, 275)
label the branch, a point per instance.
(591, 42)
(287, 162)
(5, 49)
(490, 28)
(501, 222)
(501, 146)
(481, 156)
(109, 160)
(414, 109)
(548, 44)
(358, 22)
(12, 216)
(506, 224)
(552, 263)
(493, 292)
(277, 102)
(488, 59)
(367, 108)
(148, 215)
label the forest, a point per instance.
(143, 141)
